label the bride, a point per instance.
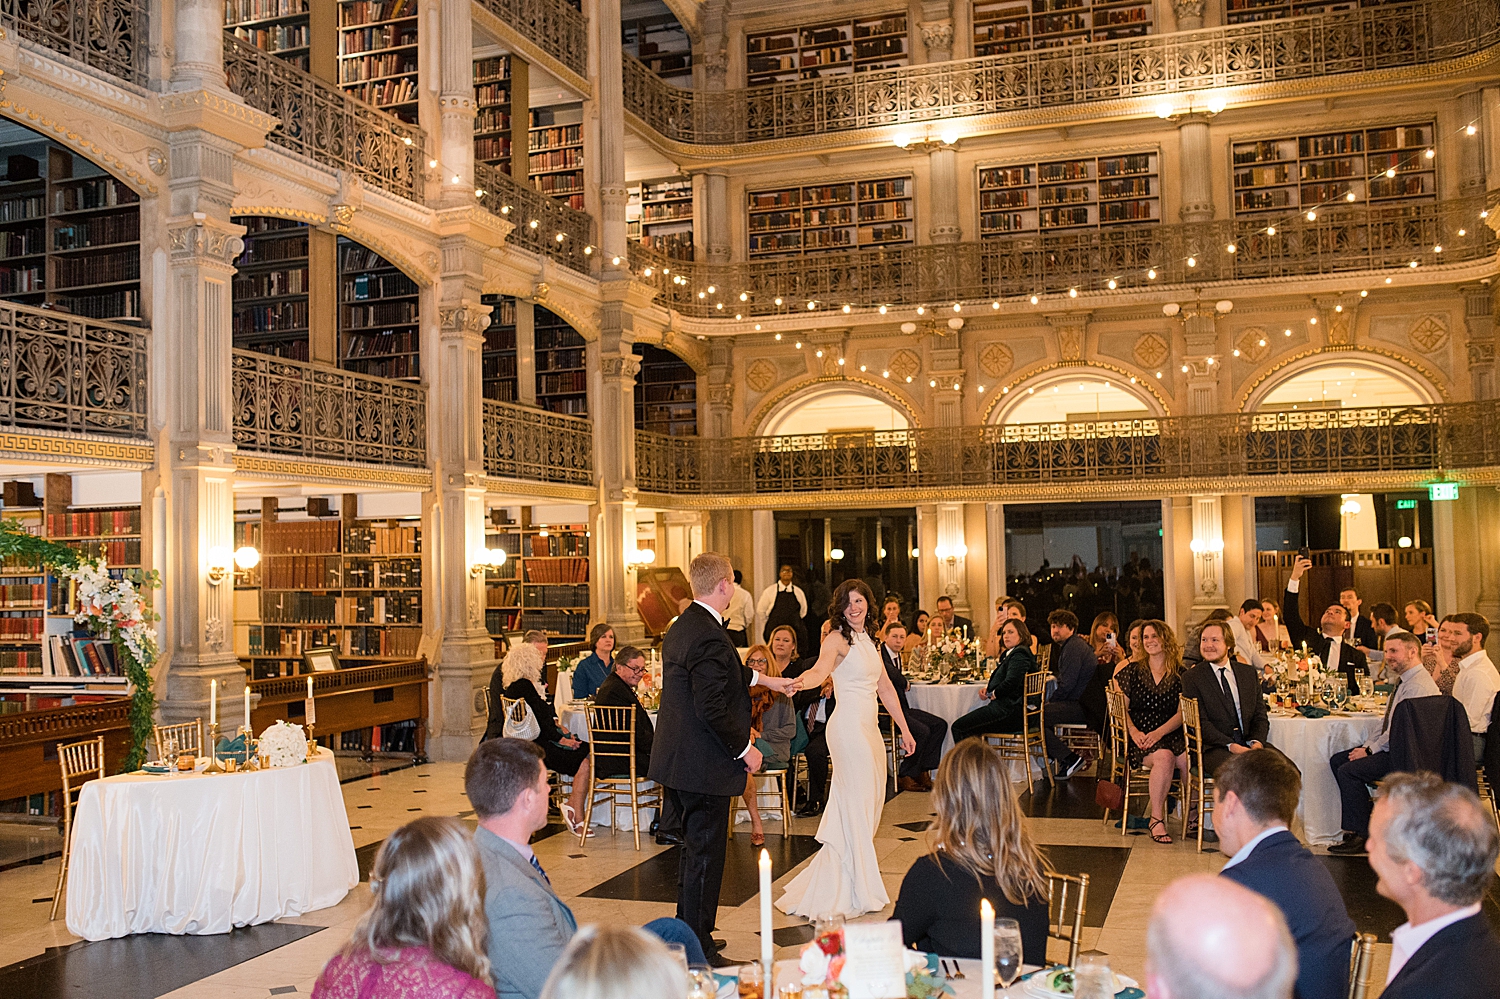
(844, 877)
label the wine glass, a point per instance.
(701, 983)
(169, 750)
(1007, 951)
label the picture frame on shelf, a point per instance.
(321, 660)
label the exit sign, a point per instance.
(1442, 491)
(1406, 504)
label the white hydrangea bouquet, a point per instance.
(283, 744)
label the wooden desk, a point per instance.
(355, 698)
(29, 740)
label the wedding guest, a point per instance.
(1230, 707)
(529, 926)
(1478, 682)
(615, 962)
(950, 620)
(1438, 655)
(890, 613)
(926, 728)
(564, 753)
(1387, 623)
(773, 725)
(1361, 630)
(1329, 641)
(1152, 688)
(978, 847)
(426, 933)
(1242, 627)
(1137, 652)
(1271, 633)
(594, 667)
(783, 647)
(917, 637)
(1210, 938)
(1433, 847)
(537, 642)
(1005, 693)
(1358, 768)
(1255, 800)
(1104, 638)
(1191, 654)
(1420, 620)
(1072, 665)
(619, 691)
(740, 617)
(1006, 608)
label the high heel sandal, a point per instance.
(1163, 836)
(758, 839)
(571, 818)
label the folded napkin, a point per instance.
(1385, 688)
(1310, 711)
(233, 749)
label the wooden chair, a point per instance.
(612, 737)
(80, 762)
(1120, 770)
(1064, 923)
(1361, 962)
(188, 737)
(780, 796)
(1021, 745)
(1083, 741)
(1200, 786)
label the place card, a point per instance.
(874, 967)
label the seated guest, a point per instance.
(1006, 690)
(1358, 768)
(890, 613)
(1006, 609)
(1271, 633)
(783, 645)
(1104, 638)
(1241, 629)
(1477, 682)
(1439, 655)
(773, 725)
(618, 691)
(1433, 846)
(1255, 800)
(1420, 620)
(1191, 654)
(1072, 665)
(594, 667)
(1330, 641)
(1230, 707)
(523, 681)
(612, 962)
(926, 728)
(537, 641)
(979, 847)
(1386, 622)
(1152, 688)
(1210, 938)
(917, 637)
(530, 927)
(426, 933)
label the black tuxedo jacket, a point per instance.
(1364, 633)
(616, 693)
(1461, 961)
(703, 726)
(1352, 662)
(898, 679)
(1216, 711)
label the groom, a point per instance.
(703, 748)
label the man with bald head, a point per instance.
(1210, 938)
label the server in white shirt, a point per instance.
(740, 617)
(1242, 626)
(1478, 681)
(783, 602)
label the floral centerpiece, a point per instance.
(1293, 667)
(952, 654)
(283, 744)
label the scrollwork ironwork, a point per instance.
(521, 442)
(111, 35)
(72, 374)
(523, 205)
(555, 26)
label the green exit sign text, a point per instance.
(1406, 504)
(1442, 491)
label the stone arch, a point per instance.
(772, 411)
(1012, 395)
(110, 157)
(1408, 372)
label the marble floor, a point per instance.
(605, 880)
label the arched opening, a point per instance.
(1074, 396)
(1346, 382)
(835, 410)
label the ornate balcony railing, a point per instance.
(71, 374)
(286, 407)
(525, 443)
(554, 25)
(539, 219)
(325, 124)
(1340, 240)
(1315, 442)
(111, 35)
(1302, 48)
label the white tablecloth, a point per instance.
(948, 701)
(1309, 742)
(576, 721)
(203, 854)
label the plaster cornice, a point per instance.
(354, 475)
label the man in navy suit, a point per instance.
(1433, 847)
(1255, 799)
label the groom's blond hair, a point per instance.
(707, 571)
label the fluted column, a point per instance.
(943, 207)
(936, 27)
(720, 413)
(1201, 357)
(612, 407)
(1195, 169)
(609, 100)
(456, 105)
(711, 219)
(1207, 548)
(1479, 324)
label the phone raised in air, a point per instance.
(1303, 552)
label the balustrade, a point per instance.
(521, 442)
(71, 374)
(111, 35)
(553, 25)
(539, 219)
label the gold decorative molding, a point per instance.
(545, 490)
(73, 140)
(907, 407)
(1142, 381)
(94, 450)
(1245, 394)
(331, 472)
(278, 211)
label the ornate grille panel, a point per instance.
(525, 443)
(524, 205)
(1306, 442)
(325, 124)
(285, 407)
(1348, 41)
(111, 35)
(1340, 240)
(67, 373)
(561, 31)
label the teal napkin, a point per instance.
(1310, 711)
(1385, 688)
(233, 749)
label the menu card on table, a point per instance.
(874, 967)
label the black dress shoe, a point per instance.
(668, 839)
(811, 809)
(655, 825)
(1352, 846)
(718, 960)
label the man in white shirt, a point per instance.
(1433, 846)
(1478, 681)
(1328, 641)
(1242, 626)
(783, 602)
(740, 617)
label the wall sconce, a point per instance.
(220, 564)
(927, 141)
(246, 557)
(836, 554)
(951, 553)
(1206, 547)
(486, 559)
(639, 558)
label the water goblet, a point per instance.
(1092, 978)
(701, 983)
(1007, 951)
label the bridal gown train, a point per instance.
(844, 876)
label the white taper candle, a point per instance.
(213, 701)
(247, 708)
(767, 946)
(986, 949)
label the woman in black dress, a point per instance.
(521, 673)
(1152, 688)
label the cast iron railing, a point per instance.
(1301, 48)
(325, 124)
(111, 35)
(554, 25)
(521, 442)
(1339, 240)
(539, 219)
(1302, 442)
(287, 407)
(71, 374)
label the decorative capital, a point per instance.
(721, 395)
(622, 366)
(199, 238)
(937, 34)
(1187, 8)
(467, 319)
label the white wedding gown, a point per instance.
(844, 876)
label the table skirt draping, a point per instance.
(575, 720)
(949, 701)
(1309, 742)
(203, 854)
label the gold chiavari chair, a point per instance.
(1200, 786)
(1361, 963)
(80, 762)
(514, 708)
(612, 740)
(1024, 744)
(186, 736)
(1120, 770)
(1064, 922)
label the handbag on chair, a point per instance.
(520, 723)
(1109, 795)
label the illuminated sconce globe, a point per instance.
(837, 554)
(246, 557)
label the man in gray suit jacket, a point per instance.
(506, 782)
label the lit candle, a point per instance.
(312, 708)
(1304, 650)
(247, 708)
(766, 944)
(986, 949)
(213, 702)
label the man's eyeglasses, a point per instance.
(637, 669)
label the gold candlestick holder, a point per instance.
(312, 744)
(213, 750)
(251, 749)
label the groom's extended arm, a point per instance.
(709, 678)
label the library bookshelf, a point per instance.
(561, 377)
(555, 152)
(1074, 193)
(378, 54)
(659, 215)
(544, 583)
(280, 27)
(1384, 165)
(492, 102)
(271, 289)
(379, 331)
(497, 360)
(1002, 26)
(662, 43)
(666, 393)
(837, 48)
(843, 215)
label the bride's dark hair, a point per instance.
(840, 603)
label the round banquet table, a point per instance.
(197, 853)
(576, 721)
(949, 701)
(1309, 743)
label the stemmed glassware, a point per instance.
(1007, 951)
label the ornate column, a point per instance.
(937, 29)
(1201, 358)
(713, 22)
(994, 530)
(1196, 168)
(711, 216)
(946, 382)
(929, 587)
(198, 36)
(1189, 14)
(1207, 547)
(942, 199)
(1479, 324)
(951, 553)
(609, 102)
(456, 106)
(763, 545)
(1471, 150)
(720, 422)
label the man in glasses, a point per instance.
(618, 691)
